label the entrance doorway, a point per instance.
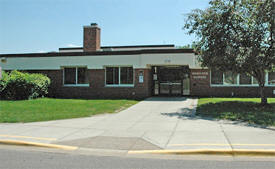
(171, 80)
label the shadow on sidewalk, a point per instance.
(256, 119)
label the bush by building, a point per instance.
(19, 86)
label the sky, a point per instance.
(30, 26)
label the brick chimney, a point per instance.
(91, 40)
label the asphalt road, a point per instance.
(13, 159)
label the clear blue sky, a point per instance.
(46, 25)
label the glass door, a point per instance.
(170, 80)
(186, 84)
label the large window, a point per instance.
(216, 77)
(126, 75)
(69, 76)
(245, 79)
(254, 81)
(234, 79)
(112, 75)
(76, 76)
(119, 76)
(271, 78)
(230, 78)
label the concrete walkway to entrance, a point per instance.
(155, 123)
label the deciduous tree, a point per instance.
(237, 36)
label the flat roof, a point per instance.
(126, 52)
(134, 46)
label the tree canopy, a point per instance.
(188, 46)
(236, 35)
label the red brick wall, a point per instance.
(56, 77)
(97, 87)
(199, 82)
(91, 39)
(200, 86)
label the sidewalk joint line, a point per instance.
(174, 130)
(226, 137)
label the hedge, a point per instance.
(19, 86)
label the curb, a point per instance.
(256, 152)
(45, 145)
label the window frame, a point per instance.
(119, 77)
(225, 85)
(241, 85)
(248, 85)
(267, 79)
(112, 74)
(240, 79)
(233, 84)
(216, 83)
(76, 77)
(238, 82)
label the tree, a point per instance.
(237, 36)
(188, 46)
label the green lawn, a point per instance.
(238, 109)
(45, 109)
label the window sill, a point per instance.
(240, 85)
(121, 85)
(234, 85)
(76, 85)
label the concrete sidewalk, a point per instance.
(153, 124)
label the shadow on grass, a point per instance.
(238, 113)
(249, 112)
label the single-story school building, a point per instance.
(95, 71)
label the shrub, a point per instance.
(18, 86)
(40, 84)
(3, 82)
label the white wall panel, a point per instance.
(169, 59)
(99, 61)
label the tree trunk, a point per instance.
(263, 96)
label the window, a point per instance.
(216, 77)
(245, 79)
(82, 77)
(234, 79)
(76, 76)
(112, 75)
(119, 76)
(69, 76)
(254, 81)
(248, 80)
(230, 78)
(126, 75)
(271, 78)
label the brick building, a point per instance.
(95, 71)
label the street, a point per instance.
(14, 158)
